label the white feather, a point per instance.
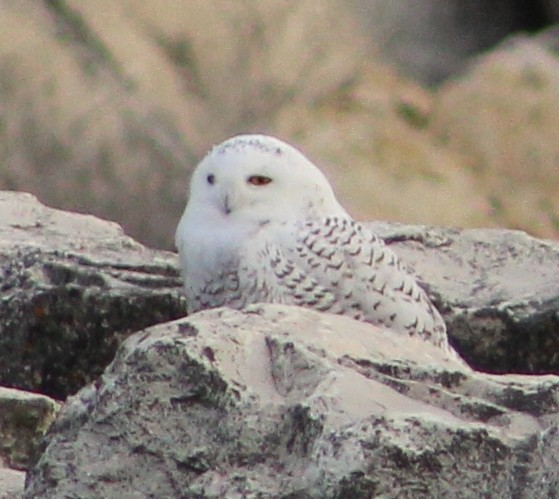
(289, 241)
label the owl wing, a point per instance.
(336, 264)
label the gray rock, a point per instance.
(11, 483)
(277, 401)
(71, 287)
(478, 115)
(24, 419)
(433, 39)
(498, 291)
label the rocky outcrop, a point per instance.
(24, 419)
(278, 401)
(433, 41)
(11, 483)
(273, 398)
(502, 115)
(71, 287)
(498, 291)
(106, 110)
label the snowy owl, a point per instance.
(262, 224)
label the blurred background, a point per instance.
(420, 111)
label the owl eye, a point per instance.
(211, 179)
(258, 180)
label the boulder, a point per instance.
(277, 401)
(432, 40)
(274, 398)
(11, 483)
(71, 287)
(503, 115)
(498, 291)
(24, 419)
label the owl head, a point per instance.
(256, 179)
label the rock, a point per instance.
(278, 401)
(71, 287)
(24, 419)
(503, 114)
(432, 40)
(275, 398)
(498, 291)
(11, 483)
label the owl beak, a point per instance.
(227, 205)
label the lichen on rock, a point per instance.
(290, 401)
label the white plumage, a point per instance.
(262, 224)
